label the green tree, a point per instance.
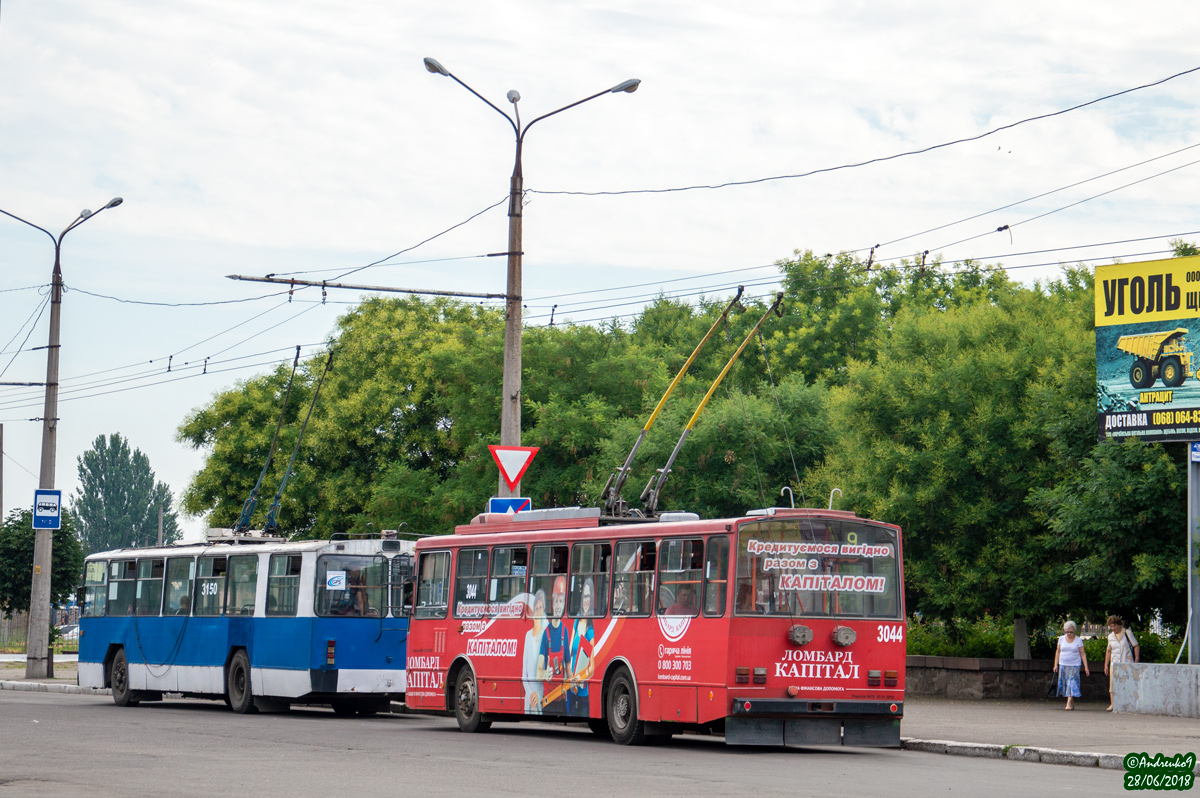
(1115, 522)
(118, 498)
(1183, 249)
(948, 431)
(16, 561)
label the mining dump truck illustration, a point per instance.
(1160, 355)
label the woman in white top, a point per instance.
(1122, 647)
(1068, 658)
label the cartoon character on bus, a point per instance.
(552, 659)
(531, 653)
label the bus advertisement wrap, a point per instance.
(1147, 378)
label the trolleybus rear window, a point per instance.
(95, 591)
(817, 567)
(350, 586)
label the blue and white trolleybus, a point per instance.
(256, 621)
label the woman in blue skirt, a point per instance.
(1068, 658)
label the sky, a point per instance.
(307, 139)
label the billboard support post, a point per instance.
(1193, 545)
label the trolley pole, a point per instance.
(38, 662)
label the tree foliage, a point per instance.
(16, 561)
(118, 498)
(956, 403)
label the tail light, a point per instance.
(329, 645)
(742, 676)
(875, 678)
(760, 675)
(890, 678)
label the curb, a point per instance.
(52, 687)
(1018, 753)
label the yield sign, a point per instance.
(513, 460)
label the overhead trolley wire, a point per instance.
(881, 159)
(1029, 199)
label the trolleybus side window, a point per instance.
(95, 590)
(470, 584)
(509, 570)
(243, 584)
(432, 585)
(402, 583)
(122, 584)
(349, 585)
(180, 573)
(589, 580)
(633, 577)
(681, 563)
(150, 586)
(210, 586)
(550, 577)
(817, 567)
(716, 575)
(283, 584)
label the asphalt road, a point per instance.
(71, 745)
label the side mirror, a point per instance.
(406, 595)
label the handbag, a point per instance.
(1052, 688)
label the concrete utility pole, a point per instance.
(510, 400)
(160, 524)
(38, 664)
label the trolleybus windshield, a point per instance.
(817, 567)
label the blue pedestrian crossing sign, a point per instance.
(47, 509)
(512, 505)
(1195, 448)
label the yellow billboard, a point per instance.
(1146, 316)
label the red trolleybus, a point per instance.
(782, 627)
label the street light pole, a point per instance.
(510, 399)
(38, 664)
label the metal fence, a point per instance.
(13, 631)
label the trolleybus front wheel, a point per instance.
(241, 696)
(466, 703)
(622, 712)
(122, 694)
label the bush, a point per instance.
(987, 637)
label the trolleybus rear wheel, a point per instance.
(241, 695)
(466, 703)
(122, 695)
(622, 711)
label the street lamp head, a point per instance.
(628, 86)
(514, 96)
(436, 68)
(114, 202)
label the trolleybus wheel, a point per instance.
(241, 696)
(466, 703)
(122, 695)
(622, 712)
